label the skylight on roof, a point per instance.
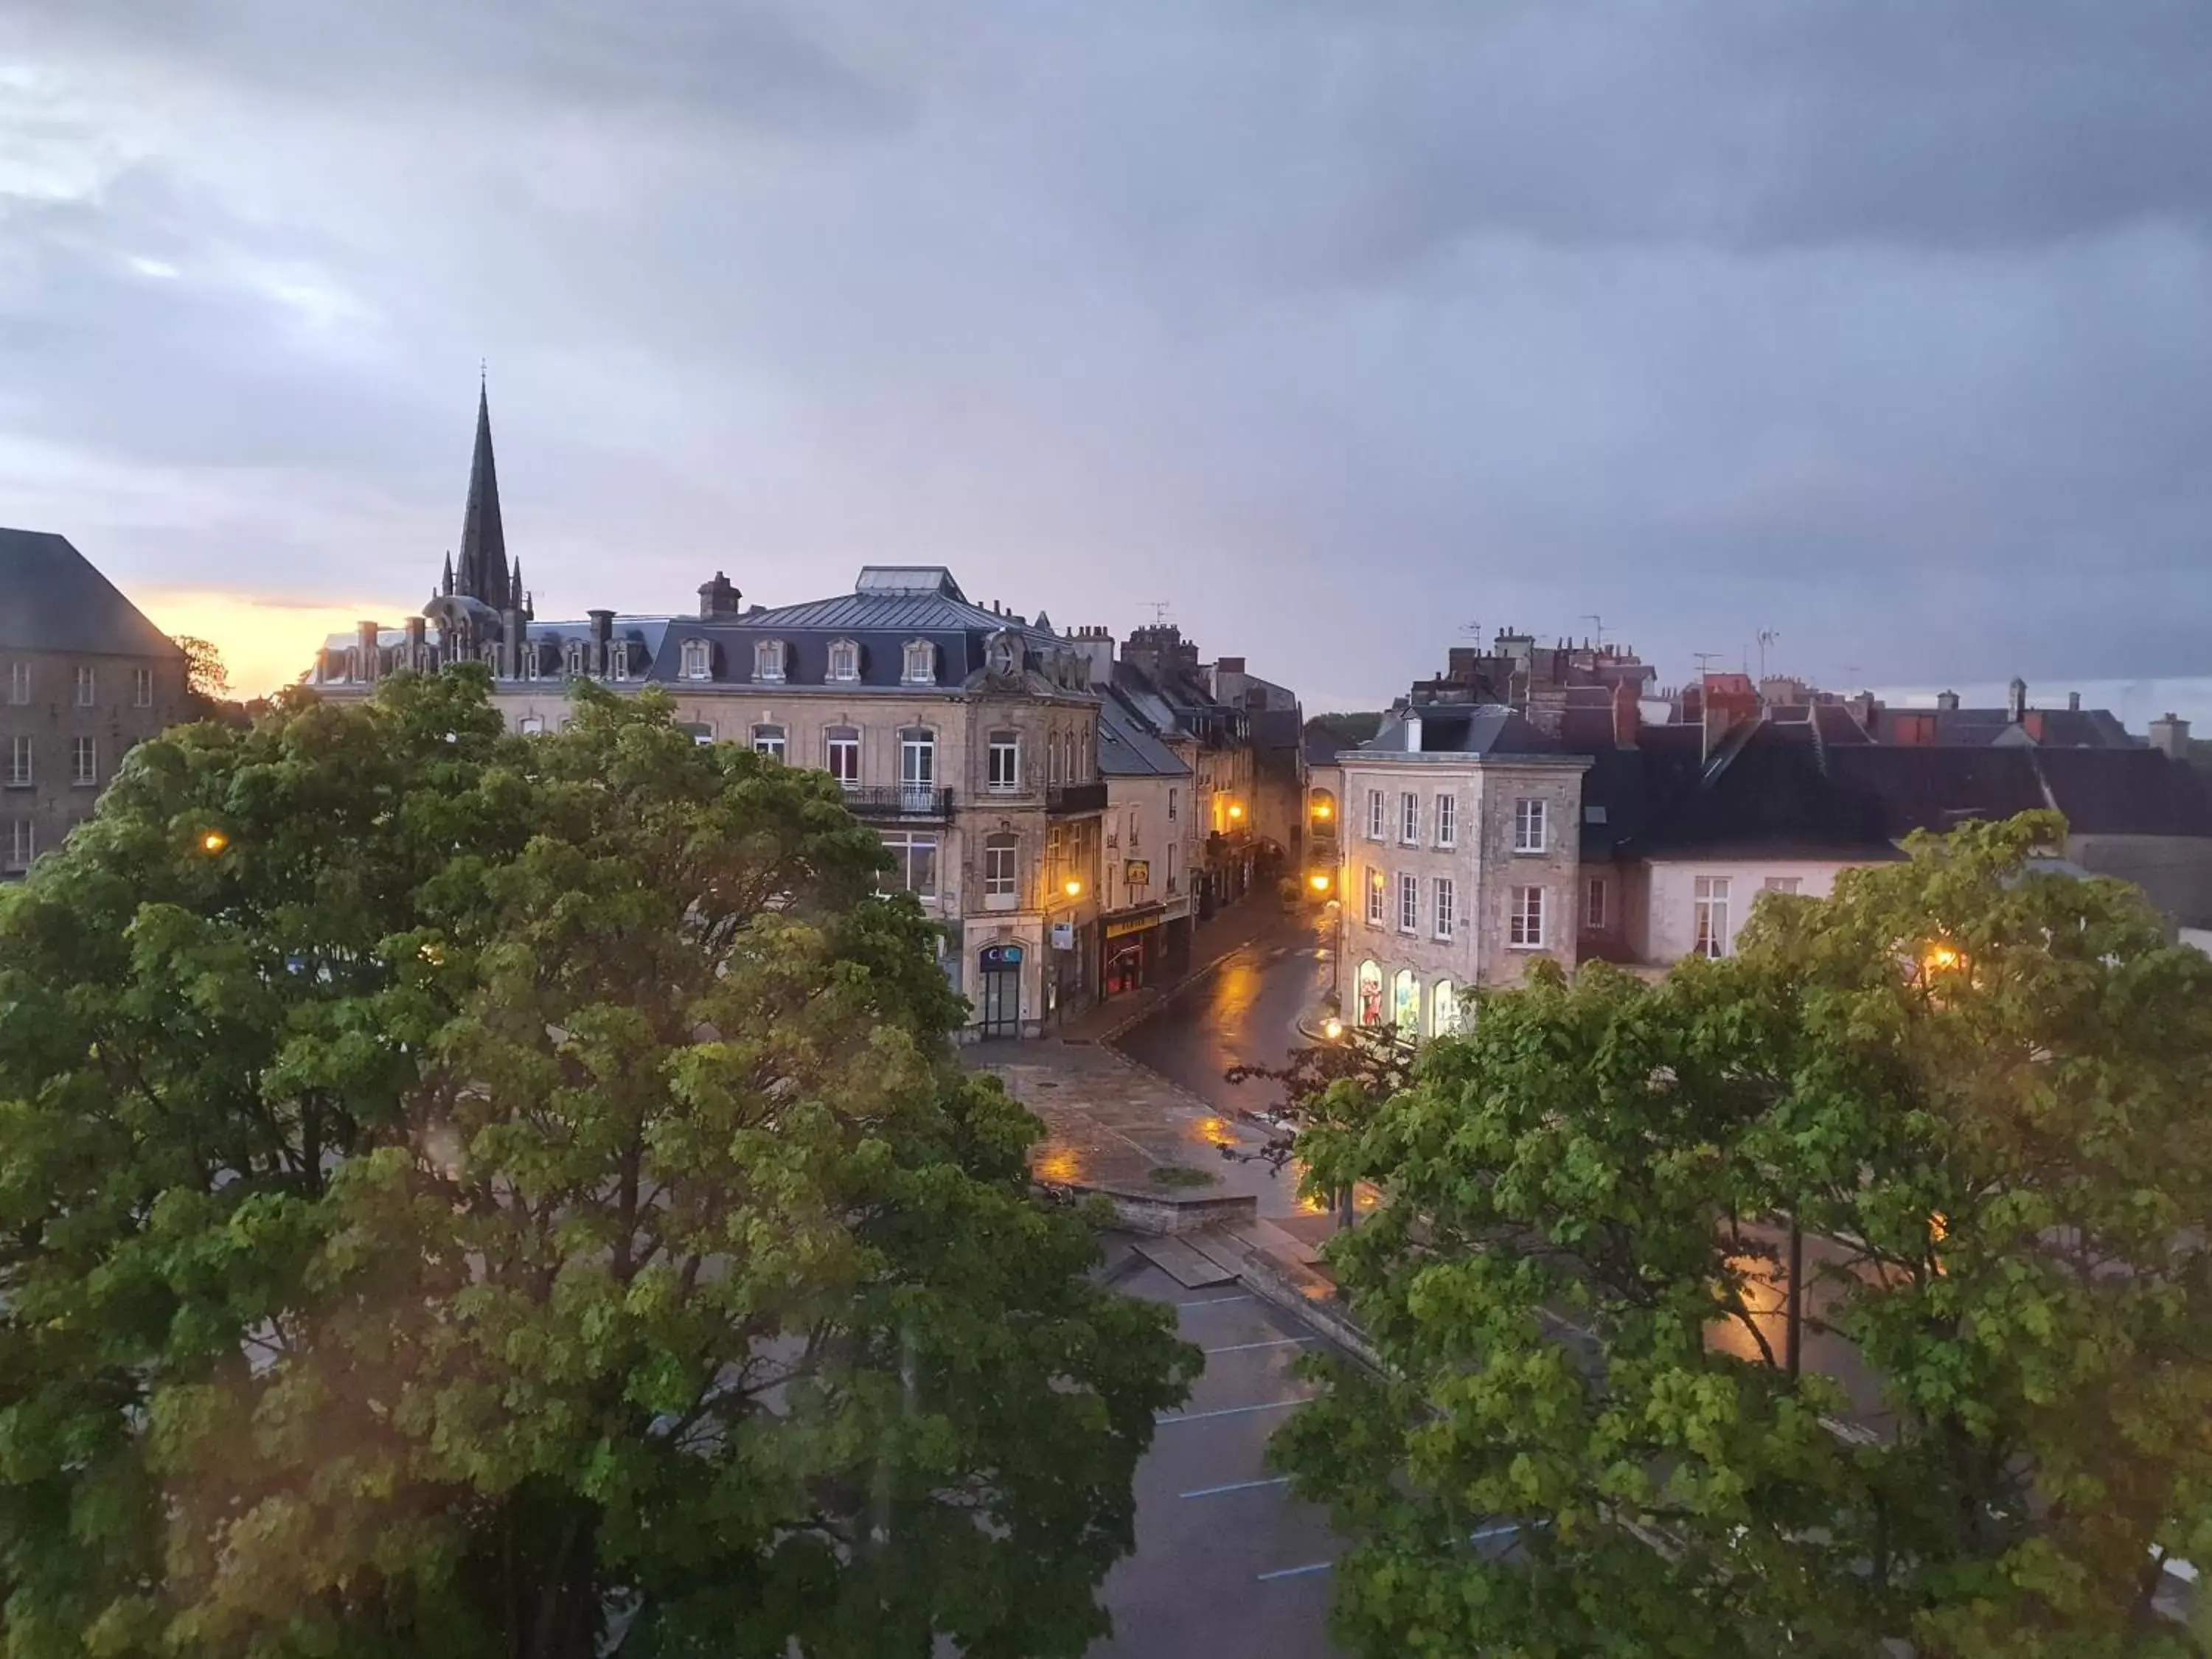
(908, 579)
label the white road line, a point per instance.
(1234, 1486)
(1505, 1531)
(1218, 1301)
(1279, 1342)
(1232, 1411)
(1297, 1572)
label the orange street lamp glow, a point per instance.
(1321, 809)
(1074, 888)
(213, 841)
(1332, 1028)
(1236, 812)
(1320, 881)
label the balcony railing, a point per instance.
(1077, 798)
(899, 801)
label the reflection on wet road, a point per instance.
(1245, 1011)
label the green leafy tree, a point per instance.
(1979, 1087)
(467, 1194)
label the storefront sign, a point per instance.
(997, 956)
(1126, 925)
(1063, 936)
(1138, 873)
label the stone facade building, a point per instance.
(1461, 848)
(967, 735)
(83, 677)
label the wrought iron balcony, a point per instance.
(1077, 798)
(899, 801)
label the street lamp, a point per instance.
(1072, 888)
(1318, 881)
(1333, 1028)
(1234, 812)
(212, 842)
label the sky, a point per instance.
(1340, 331)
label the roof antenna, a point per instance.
(1597, 622)
(1159, 609)
(1767, 636)
(1705, 662)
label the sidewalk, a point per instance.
(1252, 918)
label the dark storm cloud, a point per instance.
(1886, 323)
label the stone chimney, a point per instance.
(2169, 734)
(600, 658)
(2016, 700)
(418, 656)
(1727, 700)
(365, 637)
(1628, 716)
(719, 599)
(1095, 646)
(1948, 702)
(2074, 701)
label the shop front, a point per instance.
(1132, 950)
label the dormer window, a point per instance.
(768, 660)
(572, 658)
(921, 663)
(698, 661)
(844, 660)
(1004, 655)
(618, 658)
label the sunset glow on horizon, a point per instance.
(267, 643)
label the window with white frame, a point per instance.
(1052, 751)
(1709, 902)
(842, 744)
(1376, 887)
(142, 688)
(768, 660)
(572, 658)
(617, 659)
(1447, 820)
(1005, 761)
(1174, 872)
(533, 660)
(1171, 805)
(769, 740)
(1525, 919)
(531, 725)
(19, 762)
(917, 762)
(1375, 815)
(1594, 903)
(1409, 818)
(921, 663)
(18, 683)
(1531, 826)
(1447, 907)
(1409, 902)
(914, 863)
(86, 686)
(84, 760)
(22, 843)
(844, 660)
(1001, 872)
(1784, 884)
(698, 660)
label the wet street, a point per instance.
(1247, 1010)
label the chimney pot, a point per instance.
(2016, 706)
(2074, 701)
(2169, 733)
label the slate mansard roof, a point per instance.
(53, 598)
(890, 607)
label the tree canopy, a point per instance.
(1979, 1088)
(468, 1194)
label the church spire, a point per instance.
(483, 571)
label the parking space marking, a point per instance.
(1247, 1347)
(1297, 1572)
(1231, 1411)
(1234, 1486)
(1218, 1301)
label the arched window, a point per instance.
(1371, 994)
(843, 744)
(1444, 1009)
(844, 660)
(921, 663)
(768, 660)
(698, 660)
(1406, 1005)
